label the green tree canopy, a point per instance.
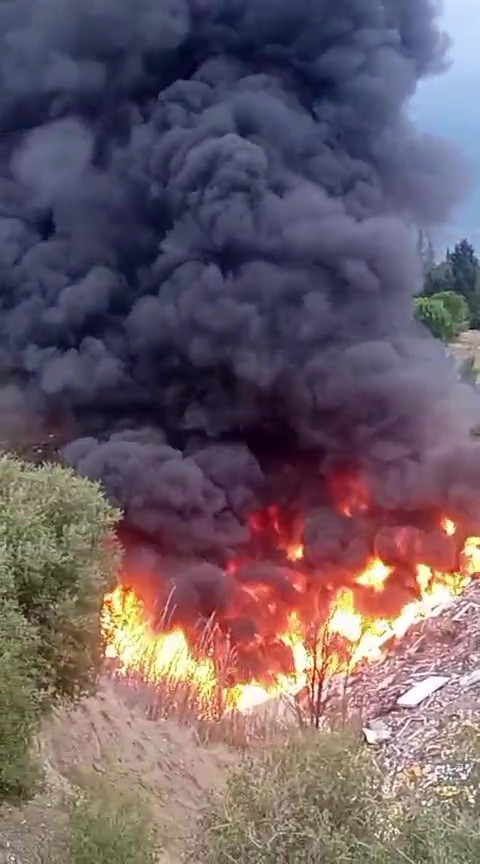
(438, 279)
(458, 274)
(464, 267)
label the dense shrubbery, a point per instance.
(445, 314)
(111, 827)
(321, 799)
(57, 559)
(450, 299)
(19, 701)
(107, 824)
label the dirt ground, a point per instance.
(110, 736)
(467, 347)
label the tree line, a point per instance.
(450, 299)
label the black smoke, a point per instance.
(207, 270)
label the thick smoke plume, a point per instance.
(207, 277)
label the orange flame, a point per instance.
(169, 657)
(449, 527)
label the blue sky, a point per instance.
(450, 106)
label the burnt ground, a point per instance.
(109, 736)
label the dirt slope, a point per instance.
(467, 347)
(110, 736)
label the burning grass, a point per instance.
(195, 672)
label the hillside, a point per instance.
(109, 735)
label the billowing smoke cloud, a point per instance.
(207, 275)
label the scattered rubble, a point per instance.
(426, 691)
(470, 680)
(377, 732)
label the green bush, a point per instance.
(445, 314)
(19, 702)
(312, 800)
(320, 799)
(110, 828)
(457, 307)
(57, 559)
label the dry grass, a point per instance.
(106, 826)
(320, 797)
(199, 690)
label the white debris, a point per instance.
(461, 771)
(377, 732)
(471, 679)
(420, 691)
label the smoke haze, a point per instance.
(207, 278)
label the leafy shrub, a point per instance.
(57, 560)
(310, 801)
(19, 702)
(58, 563)
(457, 307)
(320, 799)
(445, 314)
(110, 828)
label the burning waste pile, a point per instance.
(207, 286)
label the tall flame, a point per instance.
(171, 657)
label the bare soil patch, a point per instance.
(110, 736)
